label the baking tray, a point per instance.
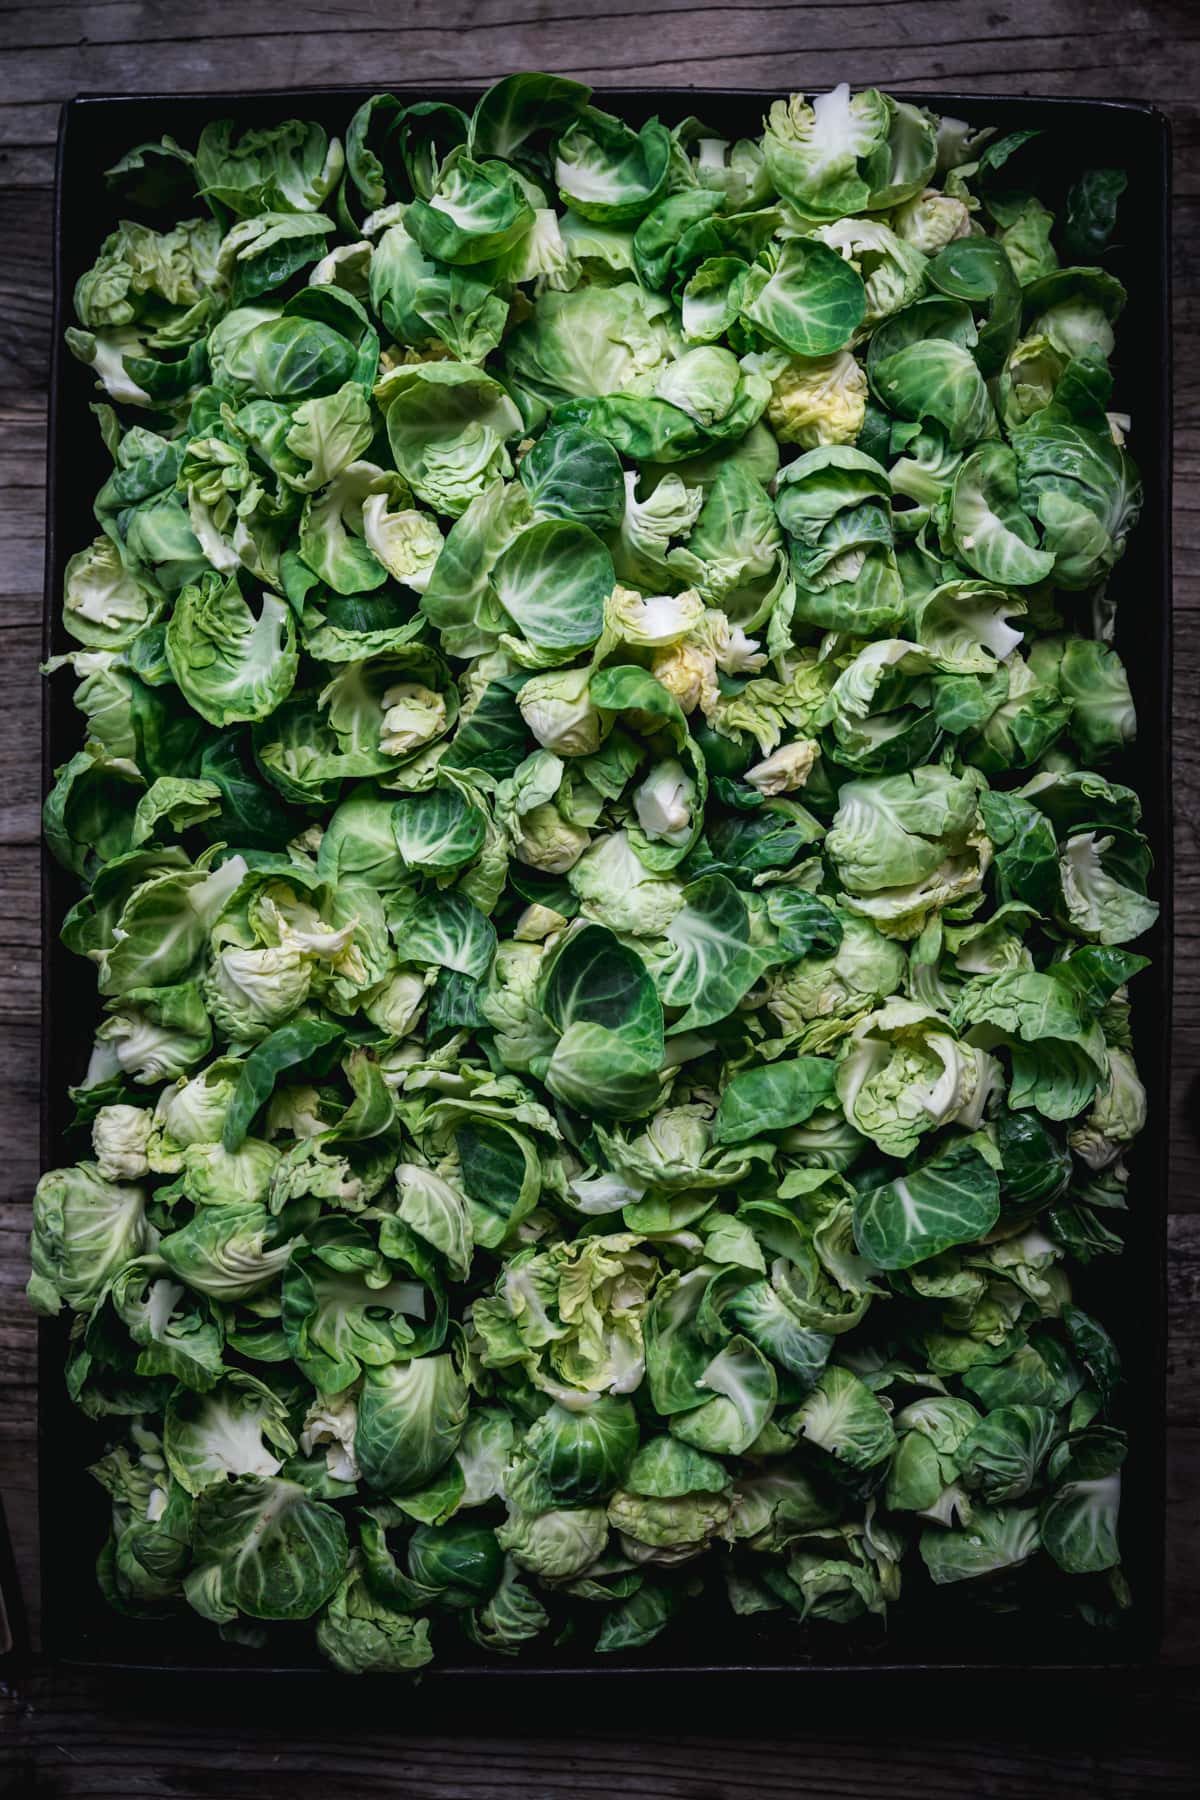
(950, 1634)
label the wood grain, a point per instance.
(73, 1737)
(1125, 1751)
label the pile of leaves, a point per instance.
(595, 850)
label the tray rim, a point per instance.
(1146, 1629)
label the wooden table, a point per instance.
(70, 1737)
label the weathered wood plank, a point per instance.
(71, 1737)
(921, 44)
(847, 1751)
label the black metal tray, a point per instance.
(953, 1635)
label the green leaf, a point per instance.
(410, 1419)
(572, 474)
(501, 1177)
(438, 831)
(811, 302)
(992, 533)
(519, 107)
(229, 664)
(608, 172)
(977, 269)
(774, 1097)
(479, 210)
(1003, 1454)
(1092, 212)
(745, 1388)
(953, 1198)
(553, 580)
(714, 965)
(273, 1553)
(845, 1418)
(446, 932)
(447, 426)
(995, 1539)
(638, 1620)
(595, 980)
(291, 1044)
(595, 1069)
